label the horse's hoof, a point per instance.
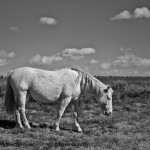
(80, 131)
(20, 127)
(57, 130)
(27, 127)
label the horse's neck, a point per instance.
(91, 86)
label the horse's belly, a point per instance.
(46, 97)
(45, 90)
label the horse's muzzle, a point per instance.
(107, 113)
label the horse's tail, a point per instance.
(9, 101)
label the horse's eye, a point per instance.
(105, 90)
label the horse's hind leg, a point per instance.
(22, 100)
(75, 113)
(18, 120)
(63, 105)
(17, 114)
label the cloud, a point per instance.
(144, 62)
(93, 61)
(123, 15)
(74, 51)
(130, 60)
(118, 72)
(5, 54)
(125, 49)
(143, 12)
(3, 62)
(4, 57)
(127, 64)
(44, 60)
(13, 28)
(105, 65)
(48, 21)
(77, 57)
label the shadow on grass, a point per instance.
(7, 124)
(10, 124)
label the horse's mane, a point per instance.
(88, 81)
(83, 73)
(93, 80)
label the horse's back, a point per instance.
(31, 76)
(44, 84)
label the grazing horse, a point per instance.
(65, 85)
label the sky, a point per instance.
(102, 37)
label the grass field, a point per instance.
(127, 129)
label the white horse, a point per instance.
(65, 85)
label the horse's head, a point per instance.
(105, 100)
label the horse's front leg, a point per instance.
(63, 105)
(75, 113)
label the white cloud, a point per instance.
(74, 51)
(144, 62)
(44, 60)
(130, 60)
(77, 57)
(93, 61)
(128, 64)
(143, 12)
(125, 49)
(48, 21)
(146, 73)
(123, 15)
(13, 28)
(5, 54)
(135, 72)
(125, 61)
(4, 57)
(3, 62)
(119, 72)
(73, 54)
(105, 65)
